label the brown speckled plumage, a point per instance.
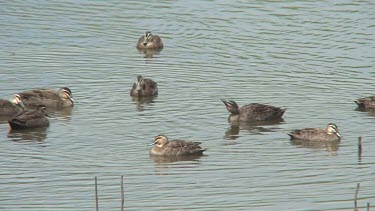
(163, 147)
(9, 108)
(144, 87)
(253, 112)
(366, 102)
(30, 119)
(149, 41)
(331, 133)
(48, 98)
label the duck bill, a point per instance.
(338, 134)
(20, 103)
(224, 101)
(71, 99)
(138, 87)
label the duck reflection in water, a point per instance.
(28, 135)
(255, 127)
(142, 103)
(332, 147)
(164, 163)
(173, 159)
(149, 53)
(64, 114)
(368, 111)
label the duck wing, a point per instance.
(150, 83)
(38, 97)
(306, 133)
(261, 112)
(29, 118)
(181, 147)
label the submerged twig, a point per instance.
(356, 197)
(96, 194)
(368, 206)
(359, 147)
(122, 193)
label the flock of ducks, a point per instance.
(28, 110)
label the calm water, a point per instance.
(312, 57)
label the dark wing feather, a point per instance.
(305, 133)
(180, 147)
(38, 97)
(150, 83)
(261, 112)
(29, 118)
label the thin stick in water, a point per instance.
(122, 193)
(96, 194)
(356, 197)
(360, 147)
(368, 206)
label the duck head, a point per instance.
(333, 129)
(231, 106)
(160, 141)
(16, 100)
(66, 93)
(147, 38)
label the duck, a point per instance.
(330, 133)
(11, 107)
(253, 112)
(366, 102)
(144, 87)
(30, 119)
(48, 98)
(163, 147)
(149, 41)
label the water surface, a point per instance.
(313, 58)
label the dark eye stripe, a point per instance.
(158, 137)
(66, 92)
(334, 128)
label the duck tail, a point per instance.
(16, 124)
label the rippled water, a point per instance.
(312, 57)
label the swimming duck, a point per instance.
(30, 119)
(366, 102)
(11, 107)
(253, 112)
(331, 133)
(144, 87)
(149, 41)
(48, 97)
(163, 147)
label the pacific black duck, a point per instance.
(253, 112)
(30, 119)
(11, 107)
(48, 97)
(330, 133)
(163, 147)
(144, 87)
(149, 41)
